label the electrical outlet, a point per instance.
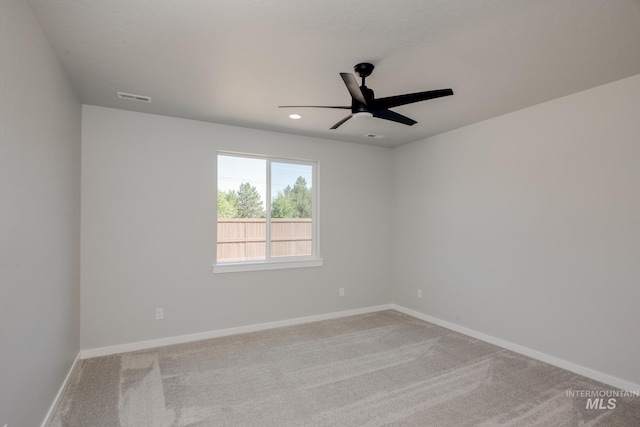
(341, 292)
(159, 313)
(419, 293)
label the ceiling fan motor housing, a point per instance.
(358, 107)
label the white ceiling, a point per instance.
(234, 62)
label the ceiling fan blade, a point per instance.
(396, 101)
(337, 125)
(394, 117)
(354, 89)
(316, 106)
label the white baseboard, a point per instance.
(56, 400)
(161, 342)
(534, 354)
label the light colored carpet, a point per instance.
(376, 369)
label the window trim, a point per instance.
(234, 267)
(313, 260)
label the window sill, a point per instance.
(264, 265)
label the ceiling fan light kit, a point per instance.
(365, 104)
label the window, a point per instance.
(266, 213)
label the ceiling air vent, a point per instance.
(373, 135)
(132, 97)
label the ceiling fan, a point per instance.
(363, 101)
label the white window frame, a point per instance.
(313, 260)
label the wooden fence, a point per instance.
(244, 239)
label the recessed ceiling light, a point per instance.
(295, 116)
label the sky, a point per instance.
(233, 171)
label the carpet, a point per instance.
(377, 369)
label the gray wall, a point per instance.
(526, 227)
(148, 230)
(40, 122)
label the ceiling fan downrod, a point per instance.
(364, 70)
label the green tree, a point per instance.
(227, 206)
(293, 202)
(301, 198)
(282, 206)
(249, 202)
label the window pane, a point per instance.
(291, 210)
(241, 224)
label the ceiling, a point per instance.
(234, 62)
